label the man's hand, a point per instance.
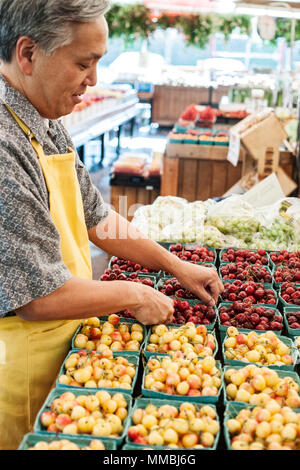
(203, 282)
(152, 306)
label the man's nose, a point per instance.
(91, 79)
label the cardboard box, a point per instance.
(251, 180)
(261, 135)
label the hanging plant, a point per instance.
(284, 30)
(227, 24)
(166, 20)
(196, 29)
(130, 22)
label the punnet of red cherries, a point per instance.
(242, 315)
(193, 253)
(129, 266)
(118, 275)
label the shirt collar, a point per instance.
(23, 109)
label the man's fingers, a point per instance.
(214, 290)
(206, 297)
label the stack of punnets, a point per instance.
(216, 378)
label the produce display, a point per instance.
(111, 335)
(187, 341)
(65, 444)
(253, 317)
(249, 292)
(93, 370)
(193, 253)
(97, 103)
(198, 313)
(100, 414)
(263, 349)
(188, 135)
(246, 272)
(242, 353)
(183, 376)
(118, 275)
(240, 256)
(284, 273)
(293, 319)
(260, 385)
(188, 425)
(231, 222)
(270, 427)
(284, 257)
(128, 266)
(172, 287)
(290, 293)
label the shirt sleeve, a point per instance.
(95, 209)
(30, 258)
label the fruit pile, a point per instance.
(243, 315)
(287, 274)
(100, 415)
(199, 314)
(172, 287)
(128, 266)
(265, 428)
(258, 385)
(290, 293)
(92, 370)
(232, 255)
(190, 426)
(65, 444)
(293, 319)
(181, 376)
(246, 272)
(193, 253)
(118, 275)
(187, 341)
(250, 292)
(292, 259)
(113, 335)
(263, 349)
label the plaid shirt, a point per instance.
(31, 265)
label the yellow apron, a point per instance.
(36, 350)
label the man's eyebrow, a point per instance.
(98, 56)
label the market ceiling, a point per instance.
(291, 4)
(284, 8)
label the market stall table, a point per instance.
(110, 119)
(198, 172)
(168, 101)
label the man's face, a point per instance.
(58, 81)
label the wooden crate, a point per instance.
(217, 94)
(125, 199)
(169, 102)
(198, 172)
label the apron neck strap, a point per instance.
(23, 126)
(35, 144)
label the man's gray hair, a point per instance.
(48, 22)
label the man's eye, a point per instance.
(83, 66)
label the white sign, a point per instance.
(266, 27)
(234, 147)
(267, 192)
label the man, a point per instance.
(49, 210)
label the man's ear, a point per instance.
(25, 50)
